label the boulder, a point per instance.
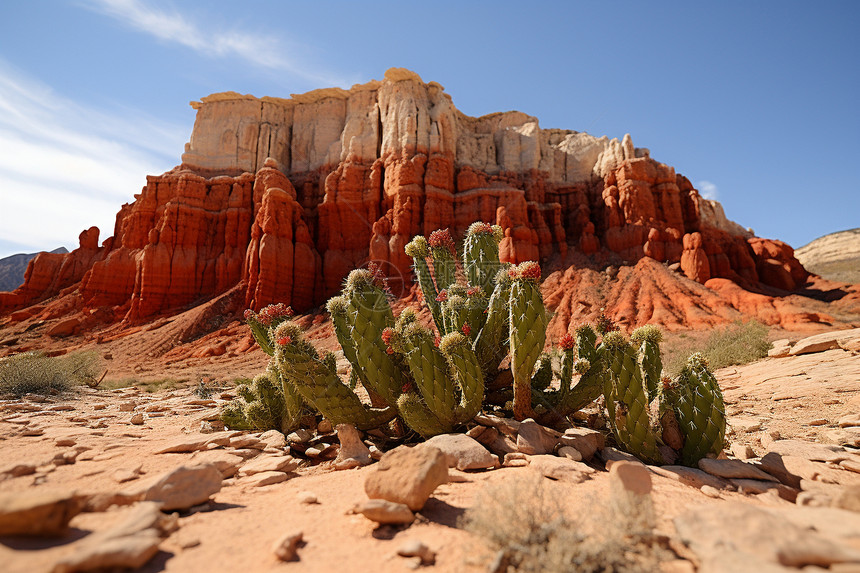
(407, 475)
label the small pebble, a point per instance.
(570, 453)
(307, 497)
(286, 547)
(710, 491)
(137, 419)
(416, 548)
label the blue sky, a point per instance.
(755, 102)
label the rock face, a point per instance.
(285, 196)
(835, 256)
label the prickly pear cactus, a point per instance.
(648, 339)
(627, 400)
(315, 379)
(444, 254)
(429, 406)
(263, 405)
(528, 322)
(481, 255)
(701, 412)
(263, 322)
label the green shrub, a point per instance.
(36, 373)
(740, 343)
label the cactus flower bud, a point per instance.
(441, 239)
(566, 342)
(529, 270)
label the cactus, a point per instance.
(427, 366)
(699, 407)
(481, 254)
(419, 250)
(482, 310)
(265, 404)
(316, 380)
(268, 318)
(648, 339)
(528, 324)
(368, 314)
(491, 344)
(588, 364)
(466, 372)
(430, 407)
(444, 258)
(627, 401)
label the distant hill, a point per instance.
(835, 256)
(12, 269)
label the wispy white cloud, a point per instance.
(65, 167)
(708, 190)
(170, 25)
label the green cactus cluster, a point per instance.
(436, 377)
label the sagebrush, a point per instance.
(528, 530)
(37, 373)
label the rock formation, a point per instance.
(285, 196)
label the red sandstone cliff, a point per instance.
(284, 197)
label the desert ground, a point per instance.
(788, 500)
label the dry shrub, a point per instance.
(36, 373)
(739, 343)
(528, 530)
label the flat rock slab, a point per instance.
(386, 512)
(757, 486)
(811, 451)
(463, 452)
(188, 445)
(227, 463)
(691, 476)
(128, 545)
(825, 341)
(182, 487)
(733, 469)
(561, 469)
(38, 512)
(269, 464)
(263, 479)
(730, 534)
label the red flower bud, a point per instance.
(466, 329)
(566, 342)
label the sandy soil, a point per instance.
(799, 397)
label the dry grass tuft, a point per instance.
(36, 373)
(526, 527)
(739, 343)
